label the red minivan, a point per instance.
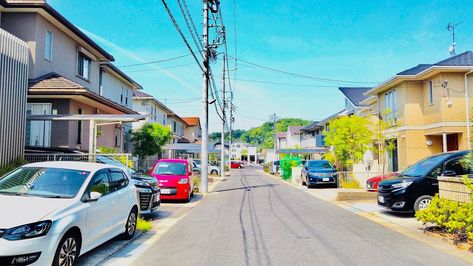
(175, 179)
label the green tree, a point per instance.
(350, 137)
(150, 138)
(383, 145)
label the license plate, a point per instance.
(325, 179)
(166, 191)
(381, 199)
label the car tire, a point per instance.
(68, 250)
(130, 226)
(214, 172)
(422, 202)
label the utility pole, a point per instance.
(205, 101)
(222, 155)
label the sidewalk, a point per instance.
(403, 223)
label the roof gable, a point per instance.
(192, 120)
(355, 94)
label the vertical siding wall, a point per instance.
(13, 96)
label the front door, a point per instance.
(393, 162)
(38, 133)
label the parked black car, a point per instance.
(316, 172)
(413, 188)
(148, 189)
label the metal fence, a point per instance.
(114, 159)
(13, 93)
(359, 177)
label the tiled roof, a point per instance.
(281, 135)
(355, 94)
(463, 59)
(415, 70)
(191, 121)
(141, 94)
(54, 81)
(294, 129)
(312, 126)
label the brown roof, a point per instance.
(55, 84)
(281, 135)
(192, 120)
(27, 4)
(54, 81)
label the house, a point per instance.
(76, 98)
(354, 97)
(428, 107)
(281, 141)
(193, 130)
(293, 136)
(13, 94)
(146, 104)
(178, 126)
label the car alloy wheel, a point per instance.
(68, 253)
(424, 203)
(131, 224)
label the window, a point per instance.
(126, 98)
(431, 92)
(457, 166)
(48, 46)
(99, 183)
(121, 96)
(83, 66)
(390, 106)
(118, 180)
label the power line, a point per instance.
(301, 75)
(182, 35)
(157, 61)
(189, 27)
(285, 84)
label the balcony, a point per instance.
(320, 141)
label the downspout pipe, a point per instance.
(467, 109)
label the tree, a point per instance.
(150, 138)
(350, 137)
(384, 145)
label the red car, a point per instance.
(236, 165)
(372, 183)
(175, 179)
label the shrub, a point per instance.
(267, 168)
(286, 165)
(143, 225)
(450, 216)
(353, 183)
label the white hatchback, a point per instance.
(52, 212)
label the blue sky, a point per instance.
(363, 41)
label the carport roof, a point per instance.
(95, 117)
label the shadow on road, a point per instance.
(245, 188)
(398, 214)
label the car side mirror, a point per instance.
(94, 196)
(449, 173)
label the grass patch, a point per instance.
(349, 184)
(143, 225)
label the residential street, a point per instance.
(253, 219)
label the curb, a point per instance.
(425, 238)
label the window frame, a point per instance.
(431, 92)
(48, 46)
(81, 58)
(86, 193)
(114, 170)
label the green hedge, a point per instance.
(449, 216)
(286, 166)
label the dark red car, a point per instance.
(175, 179)
(372, 183)
(236, 165)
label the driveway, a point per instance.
(253, 219)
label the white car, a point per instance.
(52, 212)
(213, 169)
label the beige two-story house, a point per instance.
(429, 108)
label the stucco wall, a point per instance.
(116, 90)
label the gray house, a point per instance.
(73, 87)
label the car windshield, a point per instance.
(43, 182)
(318, 164)
(170, 168)
(423, 167)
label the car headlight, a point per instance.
(401, 185)
(183, 181)
(140, 183)
(28, 231)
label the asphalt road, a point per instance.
(253, 219)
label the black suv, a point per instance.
(413, 188)
(316, 172)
